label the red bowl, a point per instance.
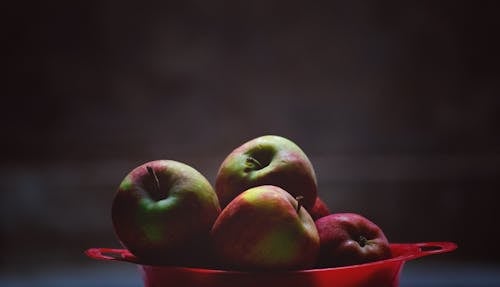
(379, 273)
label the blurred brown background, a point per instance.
(397, 106)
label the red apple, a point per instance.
(349, 238)
(267, 160)
(320, 209)
(163, 212)
(265, 228)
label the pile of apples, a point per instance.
(263, 214)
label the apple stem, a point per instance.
(152, 173)
(254, 161)
(299, 199)
(362, 241)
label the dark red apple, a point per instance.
(348, 239)
(320, 209)
(265, 228)
(163, 212)
(267, 160)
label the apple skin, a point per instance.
(169, 225)
(261, 229)
(320, 209)
(267, 160)
(350, 238)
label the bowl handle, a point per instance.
(430, 248)
(111, 254)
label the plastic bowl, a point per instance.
(379, 273)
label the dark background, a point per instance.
(396, 104)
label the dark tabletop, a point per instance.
(415, 274)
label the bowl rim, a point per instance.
(408, 251)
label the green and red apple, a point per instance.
(267, 160)
(350, 238)
(265, 228)
(163, 212)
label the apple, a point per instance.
(320, 209)
(348, 239)
(163, 212)
(265, 228)
(267, 160)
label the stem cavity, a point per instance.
(156, 182)
(252, 163)
(362, 241)
(299, 199)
